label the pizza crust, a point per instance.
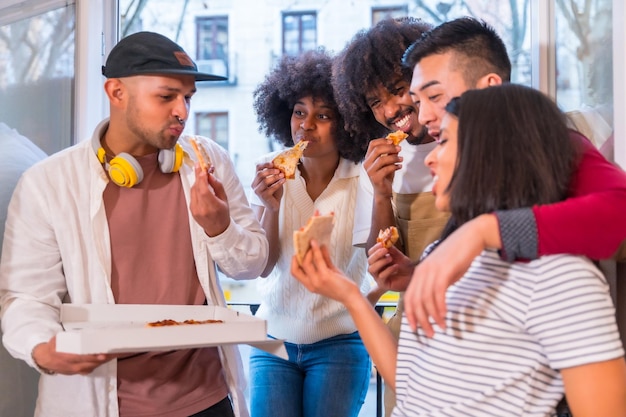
(201, 154)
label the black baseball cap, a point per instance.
(145, 53)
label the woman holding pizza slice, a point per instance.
(328, 370)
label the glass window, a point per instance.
(380, 13)
(509, 18)
(299, 32)
(584, 62)
(213, 126)
(37, 77)
(212, 47)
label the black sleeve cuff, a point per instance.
(518, 232)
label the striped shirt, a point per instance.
(510, 328)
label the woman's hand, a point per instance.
(268, 185)
(391, 269)
(318, 274)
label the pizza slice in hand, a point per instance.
(318, 227)
(201, 155)
(287, 161)
(397, 136)
(388, 237)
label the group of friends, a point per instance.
(500, 206)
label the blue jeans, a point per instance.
(328, 378)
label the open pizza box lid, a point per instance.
(119, 328)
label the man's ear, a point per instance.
(115, 90)
(489, 80)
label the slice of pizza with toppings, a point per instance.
(388, 237)
(287, 161)
(397, 136)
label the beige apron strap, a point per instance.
(420, 224)
(419, 221)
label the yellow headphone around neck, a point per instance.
(125, 171)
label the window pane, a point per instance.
(299, 33)
(212, 38)
(37, 78)
(212, 53)
(379, 14)
(584, 62)
(509, 18)
(213, 126)
(309, 32)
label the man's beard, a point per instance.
(421, 138)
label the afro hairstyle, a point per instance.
(373, 58)
(295, 77)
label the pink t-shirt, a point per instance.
(153, 263)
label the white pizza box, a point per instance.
(119, 328)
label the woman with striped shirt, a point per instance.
(517, 336)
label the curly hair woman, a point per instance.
(328, 370)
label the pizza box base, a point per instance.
(122, 328)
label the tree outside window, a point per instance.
(584, 62)
(37, 69)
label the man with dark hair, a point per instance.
(372, 92)
(128, 217)
(467, 53)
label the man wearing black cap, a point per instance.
(129, 217)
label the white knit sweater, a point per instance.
(292, 312)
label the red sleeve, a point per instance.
(592, 221)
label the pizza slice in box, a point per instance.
(318, 227)
(288, 160)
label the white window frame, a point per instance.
(14, 10)
(96, 33)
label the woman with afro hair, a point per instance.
(328, 370)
